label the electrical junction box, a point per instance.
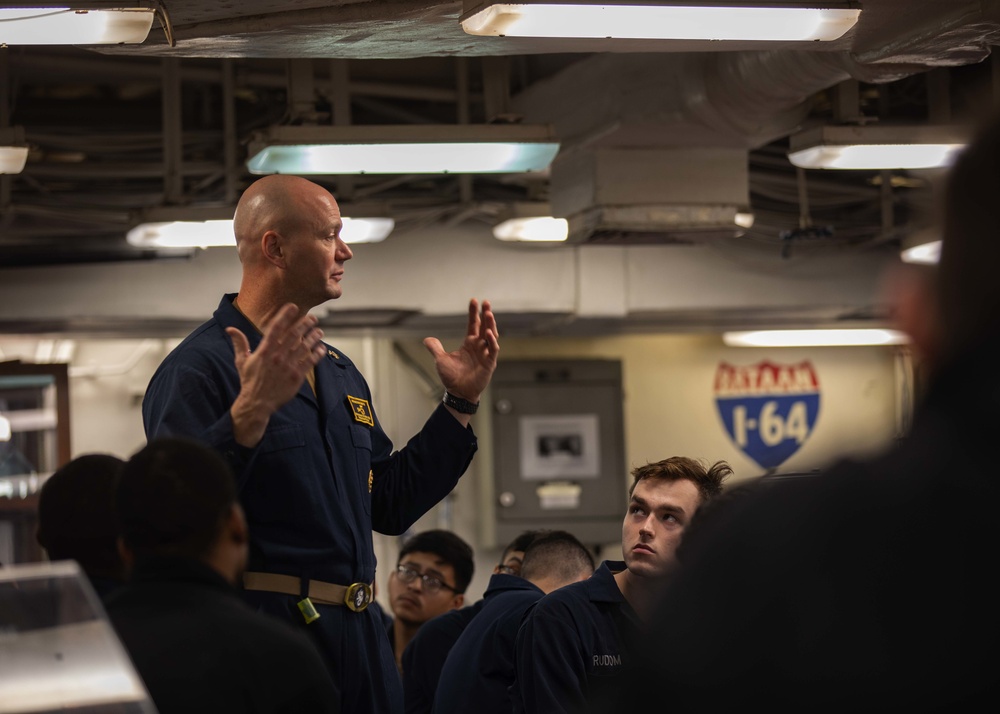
(559, 448)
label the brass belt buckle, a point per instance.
(358, 596)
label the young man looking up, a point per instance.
(575, 643)
(431, 575)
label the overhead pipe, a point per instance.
(744, 99)
(739, 99)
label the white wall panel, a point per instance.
(436, 271)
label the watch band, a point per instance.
(462, 406)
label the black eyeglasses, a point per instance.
(429, 583)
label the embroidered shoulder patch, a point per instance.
(362, 410)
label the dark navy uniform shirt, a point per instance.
(480, 667)
(200, 650)
(424, 657)
(321, 479)
(574, 645)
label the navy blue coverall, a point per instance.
(424, 657)
(574, 645)
(480, 667)
(321, 479)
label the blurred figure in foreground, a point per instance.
(869, 587)
(197, 646)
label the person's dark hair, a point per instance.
(447, 546)
(174, 497)
(556, 554)
(519, 544)
(708, 480)
(968, 291)
(76, 514)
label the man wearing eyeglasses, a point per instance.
(431, 575)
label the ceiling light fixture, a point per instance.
(74, 25)
(183, 234)
(536, 229)
(815, 338)
(877, 147)
(5, 431)
(212, 227)
(924, 254)
(685, 20)
(13, 150)
(922, 247)
(745, 218)
(531, 222)
(406, 149)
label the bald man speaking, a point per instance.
(294, 418)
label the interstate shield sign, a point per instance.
(768, 409)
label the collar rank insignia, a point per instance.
(361, 410)
(331, 353)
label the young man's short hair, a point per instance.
(556, 553)
(447, 546)
(520, 543)
(709, 480)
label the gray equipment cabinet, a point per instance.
(559, 448)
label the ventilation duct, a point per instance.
(652, 195)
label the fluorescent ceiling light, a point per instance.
(183, 234)
(5, 430)
(458, 149)
(922, 247)
(13, 159)
(373, 229)
(925, 253)
(68, 25)
(692, 20)
(537, 228)
(13, 150)
(814, 338)
(877, 147)
(190, 230)
(530, 221)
